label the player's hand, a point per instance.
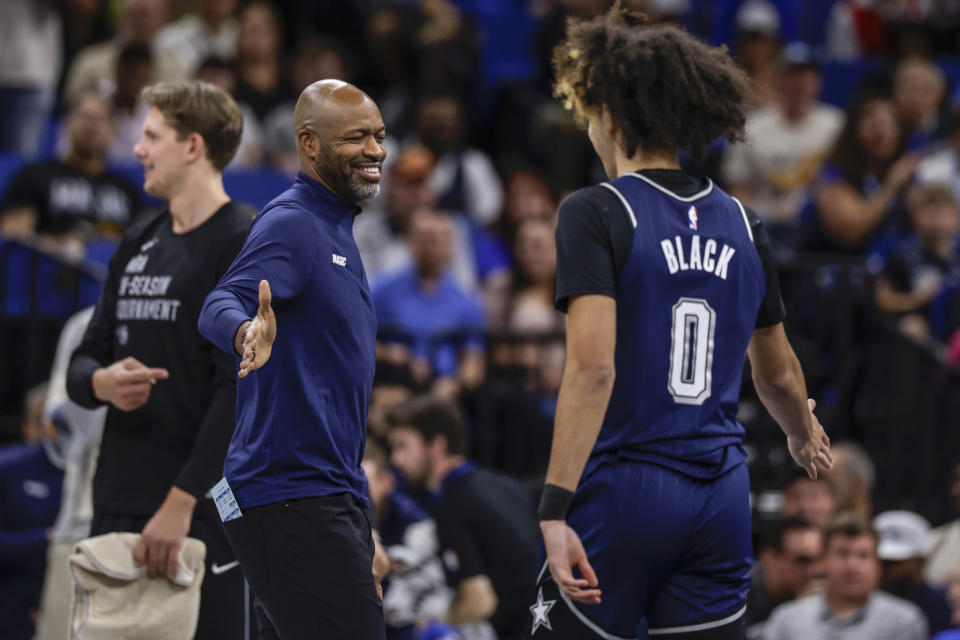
(565, 551)
(814, 451)
(381, 565)
(261, 332)
(162, 538)
(126, 384)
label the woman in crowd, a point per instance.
(857, 195)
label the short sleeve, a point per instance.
(458, 551)
(771, 310)
(594, 239)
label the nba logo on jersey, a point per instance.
(692, 214)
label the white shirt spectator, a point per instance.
(883, 617)
(779, 158)
(944, 560)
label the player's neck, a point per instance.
(199, 198)
(640, 161)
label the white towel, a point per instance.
(113, 599)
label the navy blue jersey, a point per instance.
(691, 286)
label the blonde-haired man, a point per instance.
(171, 394)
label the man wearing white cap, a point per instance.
(905, 543)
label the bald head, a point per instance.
(340, 136)
(327, 99)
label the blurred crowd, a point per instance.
(852, 157)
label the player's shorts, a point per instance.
(672, 555)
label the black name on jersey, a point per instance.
(694, 258)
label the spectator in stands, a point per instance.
(918, 90)
(223, 74)
(416, 591)
(788, 562)
(786, 142)
(953, 594)
(262, 82)
(810, 500)
(905, 543)
(34, 426)
(76, 196)
(857, 193)
(944, 559)
(381, 230)
(850, 607)
(925, 264)
(852, 479)
(530, 317)
(30, 59)
(478, 260)
(80, 449)
(758, 26)
(485, 521)
(134, 69)
(30, 487)
(392, 386)
(94, 67)
(527, 197)
(423, 307)
(464, 177)
(943, 165)
(211, 31)
(315, 60)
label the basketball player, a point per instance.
(171, 394)
(667, 282)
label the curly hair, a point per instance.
(666, 90)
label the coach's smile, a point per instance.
(369, 171)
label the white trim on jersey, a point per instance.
(573, 609)
(695, 196)
(626, 205)
(746, 221)
(698, 627)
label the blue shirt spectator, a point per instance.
(423, 307)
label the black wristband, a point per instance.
(554, 503)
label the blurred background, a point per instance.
(852, 160)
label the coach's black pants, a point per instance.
(309, 563)
(223, 601)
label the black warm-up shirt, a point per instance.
(151, 300)
(487, 525)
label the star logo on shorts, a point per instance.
(540, 609)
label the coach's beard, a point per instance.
(361, 189)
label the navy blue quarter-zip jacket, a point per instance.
(301, 418)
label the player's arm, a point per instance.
(277, 259)
(93, 379)
(777, 375)
(594, 240)
(474, 600)
(585, 388)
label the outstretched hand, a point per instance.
(814, 451)
(259, 336)
(565, 551)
